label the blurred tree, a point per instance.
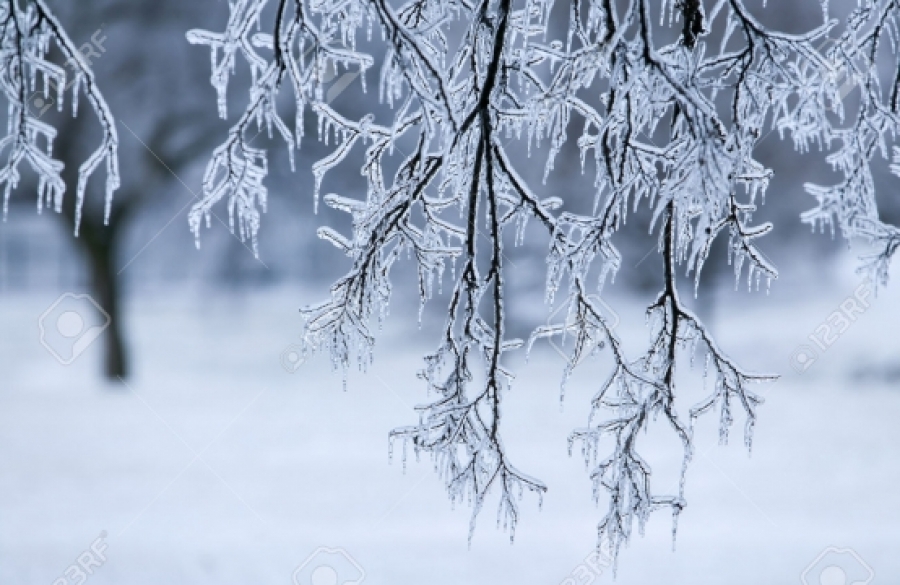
(163, 132)
(152, 174)
(160, 132)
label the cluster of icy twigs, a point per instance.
(665, 102)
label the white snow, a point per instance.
(215, 465)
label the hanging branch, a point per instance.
(669, 126)
(850, 206)
(28, 30)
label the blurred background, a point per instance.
(179, 437)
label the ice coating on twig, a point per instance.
(31, 84)
(672, 126)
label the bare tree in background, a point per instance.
(32, 83)
(162, 138)
(666, 102)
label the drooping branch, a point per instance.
(850, 206)
(672, 127)
(28, 30)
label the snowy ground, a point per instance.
(215, 465)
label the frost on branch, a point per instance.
(31, 83)
(307, 41)
(868, 132)
(472, 86)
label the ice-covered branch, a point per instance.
(302, 51)
(468, 86)
(32, 83)
(855, 61)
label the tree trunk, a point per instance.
(106, 291)
(98, 243)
